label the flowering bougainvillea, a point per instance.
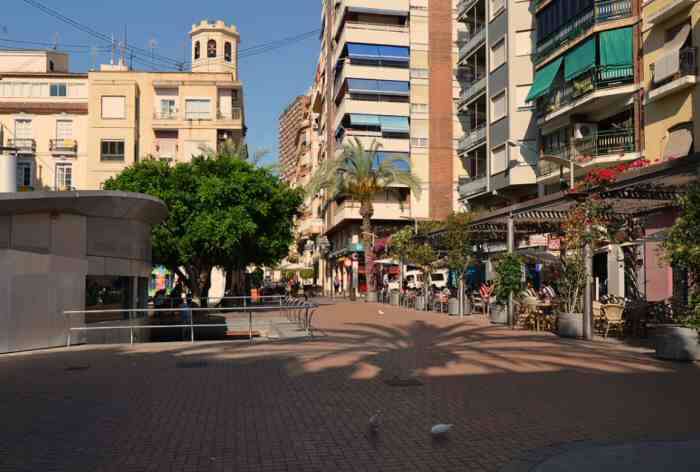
(601, 177)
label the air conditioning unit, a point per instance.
(585, 130)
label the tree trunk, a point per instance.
(366, 212)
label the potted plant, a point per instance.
(674, 329)
(458, 242)
(509, 280)
(571, 286)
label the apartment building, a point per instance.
(586, 92)
(77, 130)
(386, 73)
(498, 142)
(290, 122)
(43, 119)
(670, 75)
(166, 115)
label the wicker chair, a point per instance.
(613, 318)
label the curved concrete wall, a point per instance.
(50, 243)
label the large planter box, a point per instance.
(676, 343)
(498, 313)
(453, 306)
(570, 325)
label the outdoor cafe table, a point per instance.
(543, 308)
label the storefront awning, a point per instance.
(579, 60)
(544, 79)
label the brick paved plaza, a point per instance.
(303, 405)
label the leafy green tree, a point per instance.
(360, 176)
(223, 212)
(458, 242)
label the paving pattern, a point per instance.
(303, 404)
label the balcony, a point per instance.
(23, 145)
(166, 115)
(472, 138)
(471, 90)
(685, 77)
(64, 147)
(463, 7)
(234, 114)
(590, 151)
(471, 186)
(603, 11)
(601, 81)
(474, 41)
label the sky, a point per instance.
(271, 80)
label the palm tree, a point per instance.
(359, 175)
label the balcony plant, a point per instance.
(359, 176)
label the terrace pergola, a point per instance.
(636, 193)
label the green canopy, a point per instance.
(616, 47)
(543, 80)
(579, 60)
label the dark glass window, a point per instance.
(112, 150)
(196, 50)
(58, 90)
(227, 52)
(211, 48)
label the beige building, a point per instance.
(670, 78)
(78, 130)
(43, 119)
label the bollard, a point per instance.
(250, 326)
(192, 328)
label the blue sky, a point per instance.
(271, 80)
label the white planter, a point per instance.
(677, 343)
(570, 325)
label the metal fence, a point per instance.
(298, 311)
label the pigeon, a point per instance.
(380, 312)
(375, 421)
(440, 429)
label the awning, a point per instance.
(363, 51)
(375, 11)
(394, 124)
(668, 63)
(579, 60)
(395, 53)
(544, 79)
(616, 47)
(403, 164)
(381, 87)
(679, 143)
(357, 119)
(378, 52)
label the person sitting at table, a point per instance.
(548, 292)
(530, 290)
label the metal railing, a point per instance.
(471, 186)
(687, 65)
(603, 10)
(603, 143)
(473, 88)
(294, 310)
(22, 144)
(166, 115)
(598, 78)
(63, 145)
(472, 138)
(472, 43)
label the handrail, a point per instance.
(602, 143)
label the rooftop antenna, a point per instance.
(111, 60)
(152, 45)
(56, 37)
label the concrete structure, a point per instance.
(290, 122)
(497, 144)
(44, 120)
(65, 250)
(78, 130)
(386, 73)
(587, 88)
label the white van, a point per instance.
(438, 279)
(414, 279)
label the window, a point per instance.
(499, 106)
(227, 51)
(498, 54)
(197, 51)
(51, 66)
(112, 150)
(23, 129)
(167, 108)
(524, 41)
(211, 48)
(113, 107)
(419, 142)
(419, 108)
(499, 159)
(64, 176)
(521, 92)
(58, 90)
(24, 174)
(234, 96)
(420, 73)
(198, 109)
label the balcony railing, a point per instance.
(463, 7)
(471, 138)
(470, 90)
(469, 186)
(472, 43)
(23, 145)
(234, 114)
(603, 143)
(599, 78)
(165, 115)
(687, 65)
(63, 146)
(603, 11)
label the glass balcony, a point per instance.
(603, 10)
(469, 186)
(599, 78)
(472, 138)
(472, 89)
(475, 40)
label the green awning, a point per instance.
(616, 47)
(543, 80)
(579, 60)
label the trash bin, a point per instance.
(420, 302)
(453, 306)
(395, 297)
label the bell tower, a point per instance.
(215, 47)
